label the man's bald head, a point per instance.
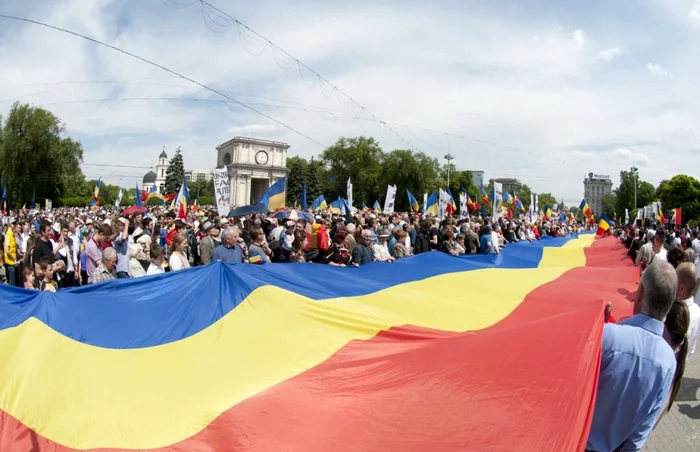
(687, 280)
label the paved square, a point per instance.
(679, 430)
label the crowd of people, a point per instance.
(66, 247)
(643, 357)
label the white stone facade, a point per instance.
(253, 166)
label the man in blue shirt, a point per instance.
(228, 252)
(485, 242)
(637, 367)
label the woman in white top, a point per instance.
(135, 268)
(178, 258)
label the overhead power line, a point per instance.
(147, 61)
(325, 112)
(215, 16)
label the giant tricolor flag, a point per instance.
(267, 359)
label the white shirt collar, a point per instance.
(689, 301)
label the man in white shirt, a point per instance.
(653, 249)
(687, 289)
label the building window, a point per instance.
(162, 171)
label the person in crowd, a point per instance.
(339, 254)
(29, 278)
(11, 253)
(448, 244)
(423, 238)
(363, 252)
(259, 246)
(43, 246)
(209, 243)
(687, 289)
(93, 250)
(121, 245)
(286, 241)
(486, 242)
(676, 335)
(178, 258)
(400, 249)
(68, 255)
(106, 269)
(675, 256)
(381, 248)
(637, 366)
(46, 283)
(297, 254)
(229, 252)
(157, 254)
(654, 248)
(134, 267)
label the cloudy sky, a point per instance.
(539, 90)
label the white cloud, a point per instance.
(695, 12)
(658, 70)
(534, 89)
(578, 39)
(609, 54)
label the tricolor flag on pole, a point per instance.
(95, 194)
(119, 198)
(183, 196)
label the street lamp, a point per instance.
(449, 158)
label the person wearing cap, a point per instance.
(381, 249)
(209, 243)
(121, 246)
(10, 247)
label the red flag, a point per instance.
(677, 215)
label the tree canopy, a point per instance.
(681, 191)
(175, 173)
(36, 162)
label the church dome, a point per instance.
(163, 155)
(149, 178)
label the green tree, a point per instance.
(296, 178)
(201, 188)
(546, 199)
(401, 168)
(609, 204)
(315, 177)
(646, 193)
(523, 192)
(358, 159)
(684, 192)
(175, 173)
(35, 160)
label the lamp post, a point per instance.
(449, 158)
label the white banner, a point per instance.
(349, 197)
(627, 216)
(497, 200)
(425, 202)
(463, 209)
(442, 204)
(222, 191)
(536, 212)
(119, 198)
(532, 204)
(390, 199)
